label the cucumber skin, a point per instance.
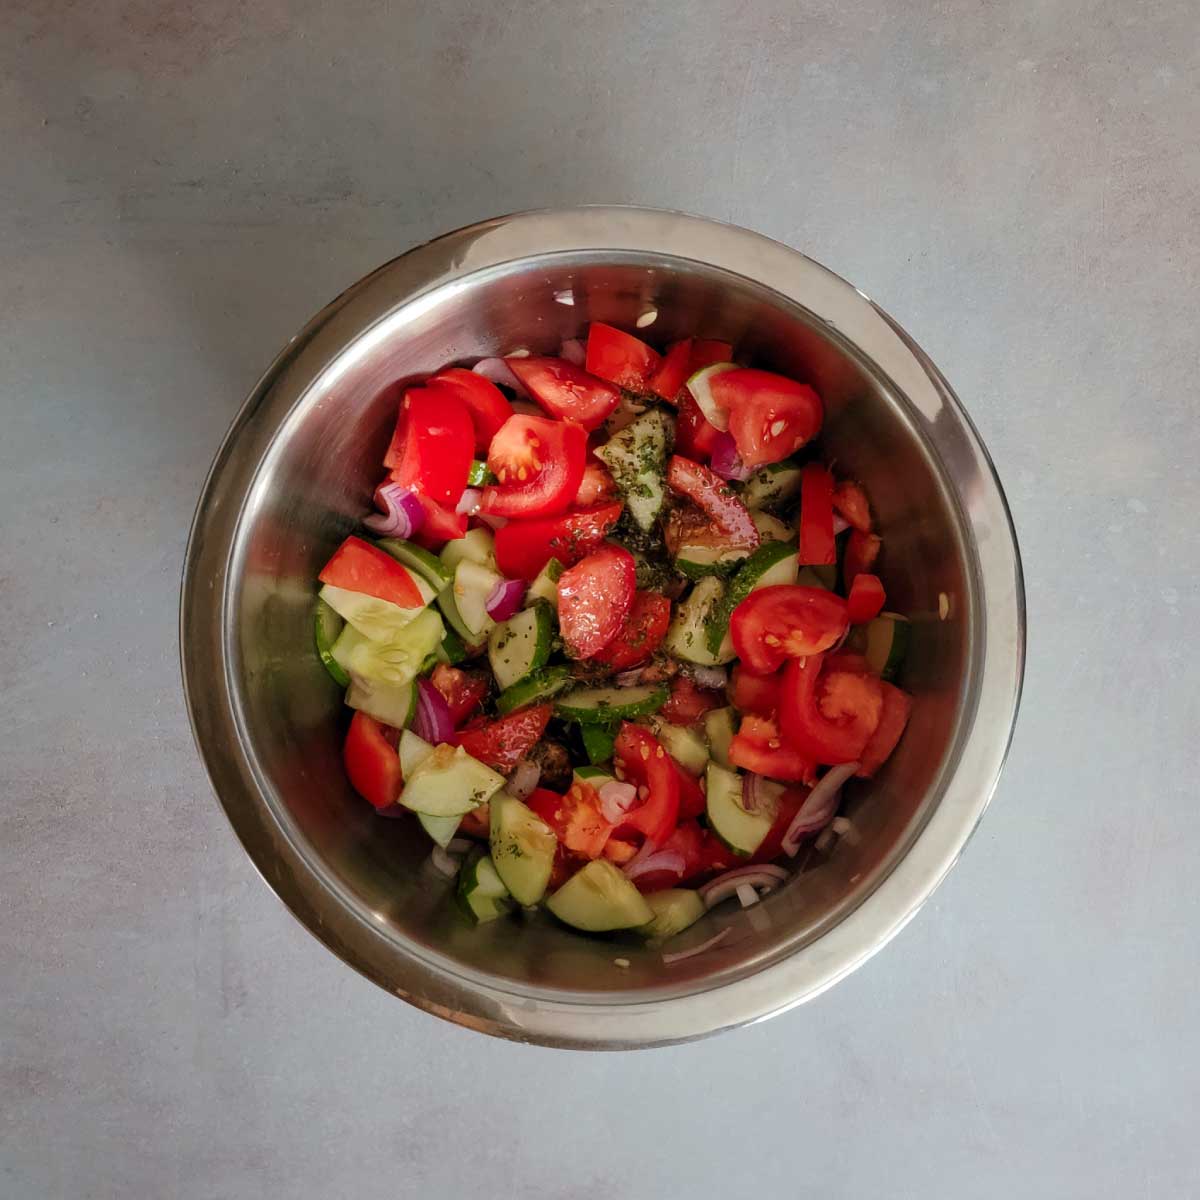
(417, 558)
(582, 902)
(321, 621)
(607, 714)
(598, 743)
(749, 576)
(540, 685)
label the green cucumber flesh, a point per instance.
(519, 646)
(772, 529)
(743, 832)
(420, 560)
(454, 620)
(674, 909)
(476, 545)
(887, 643)
(535, 688)
(473, 584)
(700, 385)
(697, 561)
(452, 650)
(481, 892)
(598, 742)
(479, 475)
(400, 657)
(772, 486)
(772, 563)
(545, 586)
(684, 745)
(599, 898)
(327, 626)
(441, 829)
(636, 456)
(449, 783)
(720, 725)
(686, 634)
(604, 705)
(523, 848)
(379, 619)
(413, 751)
(594, 776)
(394, 706)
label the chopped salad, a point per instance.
(615, 637)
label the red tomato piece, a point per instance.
(715, 497)
(707, 353)
(789, 805)
(433, 443)
(758, 746)
(711, 856)
(691, 797)
(565, 390)
(866, 598)
(750, 693)
(785, 621)
(851, 501)
(687, 703)
(862, 549)
(477, 823)
(523, 548)
(441, 525)
(817, 544)
(502, 743)
(619, 357)
(644, 630)
(485, 402)
(673, 371)
(594, 599)
(897, 706)
(686, 840)
(372, 764)
(463, 691)
(596, 487)
(360, 567)
(618, 850)
(830, 719)
(695, 437)
(644, 763)
(538, 464)
(576, 818)
(770, 416)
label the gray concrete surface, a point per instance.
(182, 186)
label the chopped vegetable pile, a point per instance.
(615, 634)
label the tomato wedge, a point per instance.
(576, 818)
(785, 621)
(758, 746)
(502, 743)
(360, 567)
(817, 544)
(463, 691)
(441, 525)
(485, 402)
(643, 632)
(712, 494)
(830, 719)
(565, 390)
(851, 501)
(695, 437)
(673, 371)
(687, 703)
(866, 598)
(619, 357)
(862, 549)
(369, 754)
(691, 797)
(897, 706)
(594, 599)
(431, 448)
(706, 352)
(523, 548)
(538, 464)
(750, 693)
(597, 485)
(770, 416)
(644, 763)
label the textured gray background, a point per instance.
(181, 189)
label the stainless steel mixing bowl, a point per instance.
(296, 472)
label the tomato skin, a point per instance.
(485, 402)
(866, 599)
(643, 632)
(441, 525)
(707, 353)
(594, 599)
(502, 743)
(757, 694)
(691, 798)
(371, 761)
(687, 703)
(757, 746)
(565, 390)
(817, 544)
(619, 357)
(862, 549)
(788, 620)
(432, 446)
(807, 722)
(550, 453)
(596, 487)
(712, 494)
(360, 567)
(760, 402)
(695, 436)
(523, 548)
(576, 818)
(851, 502)
(645, 763)
(897, 707)
(463, 691)
(673, 371)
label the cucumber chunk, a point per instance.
(413, 751)
(400, 657)
(637, 458)
(684, 745)
(697, 561)
(599, 898)
(700, 385)
(458, 626)
(743, 832)
(473, 584)
(393, 705)
(887, 643)
(519, 646)
(772, 486)
(535, 688)
(594, 776)
(674, 910)
(441, 829)
(476, 545)
(545, 586)
(598, 742)
(448, 783)
(772, 563)
(327, 625)
(451, 650)
(772, 529)
(379, 619)
(478, 475)
(523, 848)
(481, 892)
(604, 705)
(719, 727)
(425, 564)
(686, 635)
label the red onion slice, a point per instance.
(764, 876)
(819, 806)
(469, 503)
(443, 863)
(574, 351)
(498, 371)
(392, 811)
(840, 524)
(646, 849)
(524, 779)
(710, 677)
(505, 598)
(680, 955)
(664, 860)
(433, 721)
(401, 513)
(616, 799)
(758, 791)
(726, 461)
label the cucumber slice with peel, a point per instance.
(594, 776)
(420, 560)
(413, 751)
(720, 725)
(451, 650)
(535, 688)
(697, 561)
(637, 458)
(473, 584)
(599, 898)
(684, 745)
(598, 742)
(395, 706)
(519, 646)
(476, 545)
(772, 529)
(375, 618)
(523, 848)
(441, 829)
(449, 783)
(327, 625)
(674, 910)
(887, 643)
(772, 486)
(481, 892)
(605, 705)
(700, 385)
(772, 563)
(742, 831)
(398, 658)
(686, 634)
(545, 586)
